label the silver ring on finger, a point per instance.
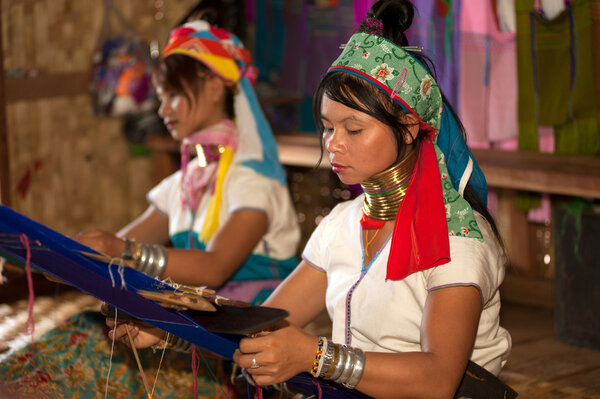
(254, 364)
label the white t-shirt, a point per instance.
(243, 188)
(385, 316)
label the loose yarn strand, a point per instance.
(210, 370)
(319, 389)
(112, 278)
(139, 363)
(159, 364)
(112, 347)
(121, 271)
(195, 370)
(30, 326)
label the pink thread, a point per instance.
(30, 326)
(195, 365)
(402, 75)
(318, 388)
(258, 394)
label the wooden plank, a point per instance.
(300, 150)
(44, 86)
(522, 262)
(4, 162)
(572, 175)
(550, 360)
(527, 291)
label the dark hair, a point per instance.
(396, 17)
(226, 14)
(180, 73)
(206, 10)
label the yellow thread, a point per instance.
(161, 360)
(137, 359)
(368, 242)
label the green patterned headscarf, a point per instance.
(430, 211)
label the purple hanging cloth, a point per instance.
(436, 27)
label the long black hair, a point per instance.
(354, 92)
(180, 73)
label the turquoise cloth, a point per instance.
(73, 360)
(256, 267)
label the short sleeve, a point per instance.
(472, 262)
(312, 250)
(250, 190)
(321, 245)
(165, 193)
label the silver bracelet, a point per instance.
(181, 345)
(347, 368)
(339, 367)
(152, 260)
(357, 369)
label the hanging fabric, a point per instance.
(488, 76)
(121, 71)
(555, 77)
(595, 7)
(435, 27)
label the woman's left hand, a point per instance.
(274, 357)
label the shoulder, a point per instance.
(472, 262)
(168, 183)
(241, 175)
(346, 207)
(344, 215)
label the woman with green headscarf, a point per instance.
(409, 271)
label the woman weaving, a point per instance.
(409, 271)
(227, 213)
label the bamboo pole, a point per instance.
(4, 162)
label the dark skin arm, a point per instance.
(226, 251)
(448, 330)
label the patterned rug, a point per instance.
(48, 312)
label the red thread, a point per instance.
(258, 394)
(318, 388)
(30, 326)
(195, 365)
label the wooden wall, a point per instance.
(68, 168)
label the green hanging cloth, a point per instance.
(556, 79)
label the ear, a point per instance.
(216, 86)
(412, 124)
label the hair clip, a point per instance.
(412, 48)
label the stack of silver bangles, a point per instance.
(177, 344)
(341, 363)
(150, 259)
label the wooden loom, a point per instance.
(135, 293)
